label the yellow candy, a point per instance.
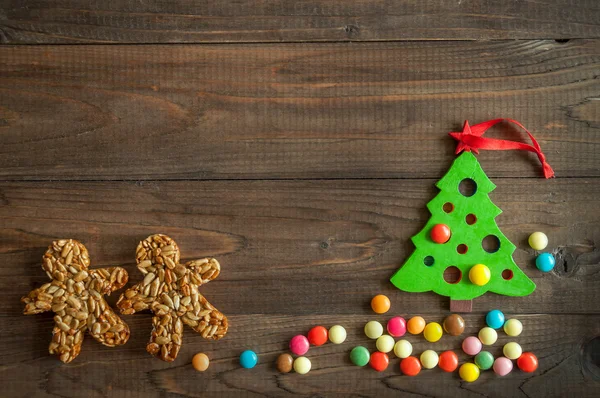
(513, 327)
(373, 329)
(538, 241)
(488, 336)
(469, 372)
(479, 274)
(385, 343)
(512, 350)
(403, 349)
(433, 332)
(302, 365)
(429, 359)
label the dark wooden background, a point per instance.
(297, 142)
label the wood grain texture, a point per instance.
(347, 110)
(70, 21)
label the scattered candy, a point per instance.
(396, 326)
(469, 372)
(454, 324)
(488, 336)
(299, 345)
(527, 362)
(448, 361)
(545, 262)
(318, 335)
(471, 345)
(302, 365)
(379, 361)
(429, 359)
(513, 327)
(360, 356)
(200, 362)
(479, 274)
(385, 343)
(284, 363)
(415, 325)
(410, 366)
(484, 360)
(337, 334)
(380, 304)
(502, 366)
(248, 359)
(440, 233)
(512, 350)
(433, 332)
(373, 329)
(403, 349)
(495, 319)
(538, 241)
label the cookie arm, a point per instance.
(204, 270)
(37, 301)
(109, 279)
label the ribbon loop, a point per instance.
(470, 139)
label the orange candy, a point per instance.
(379, 361)
(380, 304)
(415, 325)
(317, 335)
(448, 361)
(410, 366)
(200, 362)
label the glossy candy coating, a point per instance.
(448, 361)
(429, 359)
(484, 360)
(337, 334)
(410, 366)
(471, 345)
(379, 361)
(488, 336)
(469, 372)
(513, 327)
(200, 362)
(385, 343)
(403, 349)
(415, 325)
(538, 241)
(299, 345)
(373, 329)
(495, 319)
(502, 366)
(360, 356)
(433, 332)
(545, 262)
(480, 274)
(285, 363)
(440, 233)
(512, 350)
(396, 326)
(302, 365)
(380, 304)
(318, 335)
(248, 359)
(527, 362)
(454, 324)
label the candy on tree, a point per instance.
(461, 252)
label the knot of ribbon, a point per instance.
(470, 139)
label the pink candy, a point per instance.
(471, 345)
(396, 326)
(299, 345)
(503, 366)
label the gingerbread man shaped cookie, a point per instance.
(75, 296)
(170, 290)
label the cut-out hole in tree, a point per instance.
(473, 227)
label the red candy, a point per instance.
(379, 361)
(527, 362)
(448, 361)
(410, 366)
(317, 335)
(440, 233)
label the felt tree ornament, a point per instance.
(461, 252)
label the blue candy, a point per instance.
(495, 319)
(248, 359)
(545, 262)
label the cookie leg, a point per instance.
(165, 340)
(106, 327)
(66, 341)
(211, 323)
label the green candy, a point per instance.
(484, 360)
(360, 356)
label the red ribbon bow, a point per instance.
(470, 139)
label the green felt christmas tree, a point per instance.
(474, 239)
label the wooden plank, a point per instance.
(559, 341)
(356, 110)
(70, 21)
(326, 246)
